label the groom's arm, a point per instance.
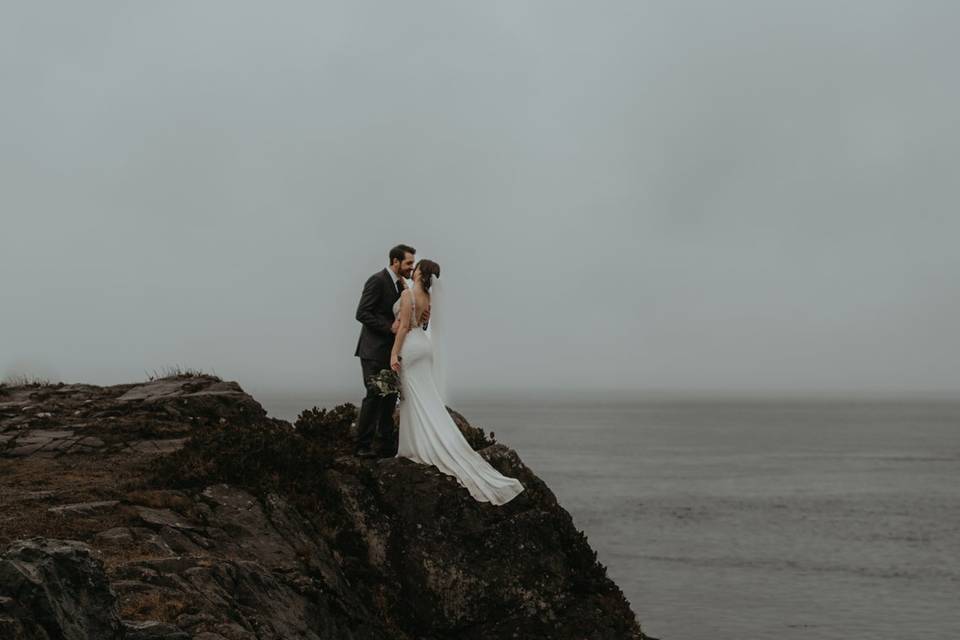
(366, 310)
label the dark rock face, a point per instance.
(215, 522)
(448, 566)
(55, 589)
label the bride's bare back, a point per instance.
(418, 303)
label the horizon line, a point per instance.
(651, 393)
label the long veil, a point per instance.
(437, 333)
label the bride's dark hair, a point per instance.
(428, 269)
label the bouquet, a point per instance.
(387, 382)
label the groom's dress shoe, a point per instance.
(365, 453)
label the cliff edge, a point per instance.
(177, 509)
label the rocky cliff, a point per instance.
(177, 509)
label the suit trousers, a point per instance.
(376, 412)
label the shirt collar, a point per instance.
(394, 277)
(407, 282)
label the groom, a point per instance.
(375, 312)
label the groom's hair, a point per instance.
(400, 252)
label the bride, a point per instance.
(428, 434)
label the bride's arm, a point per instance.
(404, 316)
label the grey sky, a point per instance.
(751, 195)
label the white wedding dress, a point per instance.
(428, 434)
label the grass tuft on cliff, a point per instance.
(24, 380)
(176, 371)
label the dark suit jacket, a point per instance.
(375, 312)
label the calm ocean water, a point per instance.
(750, 520)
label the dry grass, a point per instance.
(25, 380)
(176, 371)
(32, 520)
(23, 516)
(153, 605)
(120, 553)
(160, 499)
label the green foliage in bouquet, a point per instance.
(387, 382)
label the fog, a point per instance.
(630, 196)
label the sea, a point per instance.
(752, 518)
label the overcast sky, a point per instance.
(744, 195)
